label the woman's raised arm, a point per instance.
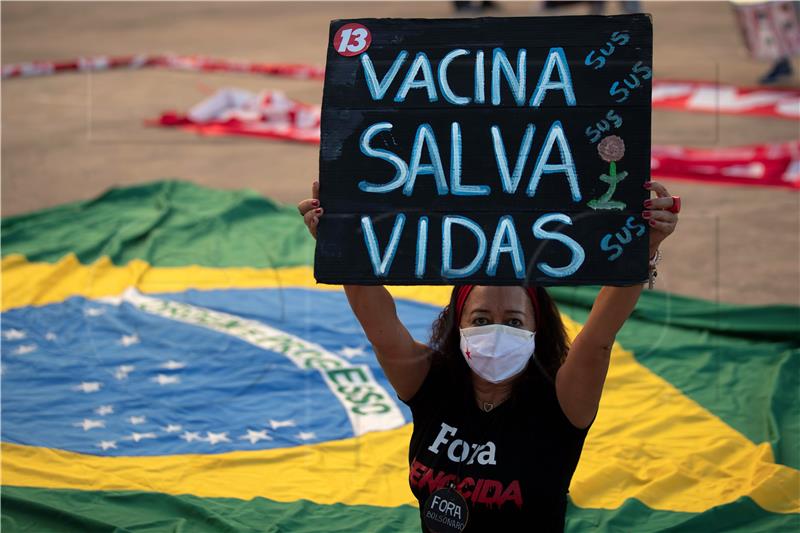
(580, 380)
(404, 360)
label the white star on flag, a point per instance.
(173, 365)
(350, 352)
(189, 436)
(104, 410)
(281, 423)
(13, 334)
(50, 336)
(255, 436)
(135, 420)
(106, 444)
(94, 311)
(122, 371)
(24, 349)
(163, 379)
(172, 428)
(127, 340)
(213, 438)
(136, 437)
(306, 435)
(88, 424)
(88, 386)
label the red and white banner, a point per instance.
(272, 114)
(709, 97)
(706, 97)
(173, 61)
(773, 165)
(234, 111)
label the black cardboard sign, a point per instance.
(493, 151)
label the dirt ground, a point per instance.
(71, 136)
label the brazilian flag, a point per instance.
(169, 365)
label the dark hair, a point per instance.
(551, 342)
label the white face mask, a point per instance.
(497, 352)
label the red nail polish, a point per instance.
(315, 203)
(646, 185)
(652, 222)
(319, 210)
(648, 203)
(646, 214)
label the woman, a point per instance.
(501, 402)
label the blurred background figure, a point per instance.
(771, 31)
(597, 7)
(464, 6)
(628, 6)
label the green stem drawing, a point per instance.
(605, 201)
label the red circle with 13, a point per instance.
(352, 39)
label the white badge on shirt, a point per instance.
(445, 511)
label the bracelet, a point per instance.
(651, 278)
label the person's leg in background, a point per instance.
(782, 68)
(631, 6)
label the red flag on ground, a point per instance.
(233, 111)
(775, 165)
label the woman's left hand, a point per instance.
(662, 221)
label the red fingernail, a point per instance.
(646, 214)
(646, 185)
(652, 222)
(315, 202)
(648, 203)
(319, 210)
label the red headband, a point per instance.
(464, 290)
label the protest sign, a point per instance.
(492, 151)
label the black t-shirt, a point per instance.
(513, 465)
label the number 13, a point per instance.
(360, 37)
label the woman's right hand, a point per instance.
(311, 210)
